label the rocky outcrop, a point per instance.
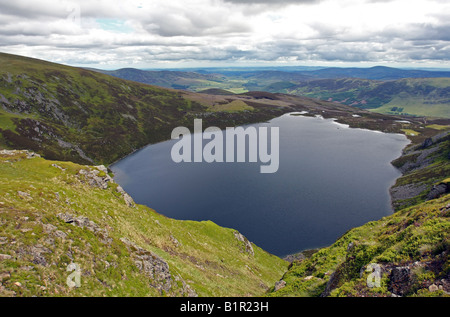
(39, 252)
(401, 193)
(247, 246)
(279, 285)
(156, 269)
(29, 154)
(400, 280)
(418, 181)
(84, 222)
(427, 143)
(300, 256)
(152, 265)
(4, 257)
(98, 177)
(128, 200)
(405, 280)
(438, 190)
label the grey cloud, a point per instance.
(194, 23)
(176, 32)
(25, 9)
(429, 32)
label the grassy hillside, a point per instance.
(429, 97)
(74, 114)
(70, 113)
(54, 213)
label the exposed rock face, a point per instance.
(156, 269)
(427, 143)
(151, 264)
(98, 177)
(4, 257)
(29, 154)
(406, 191)
(295, 257)
(128, 200)
(300, 256)
(93, 179)
(438, 190)
(404, 280)
(38, 252)
(84, 222)
(279, 285)
(400, 280)
(247, 247)
(416, 160)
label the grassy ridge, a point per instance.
(71, 113)
(37, 243)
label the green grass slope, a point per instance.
(69, 113)
(56, 213)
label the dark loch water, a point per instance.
(330, 179)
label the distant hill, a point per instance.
(411, 96)
(375, 73)
(384, 89)
(164, 78)
(216, 91)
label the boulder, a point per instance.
(151, 265)
(438, 190)
(279, 285)
(4, 257)
(400, 280)
(247, 244)
(433, 288)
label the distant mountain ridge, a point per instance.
(385, 89)
(376, 73)
(382, 73)
(163, 78)
(429, 97)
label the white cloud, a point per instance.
(149, 33)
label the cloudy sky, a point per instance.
(111, 34)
